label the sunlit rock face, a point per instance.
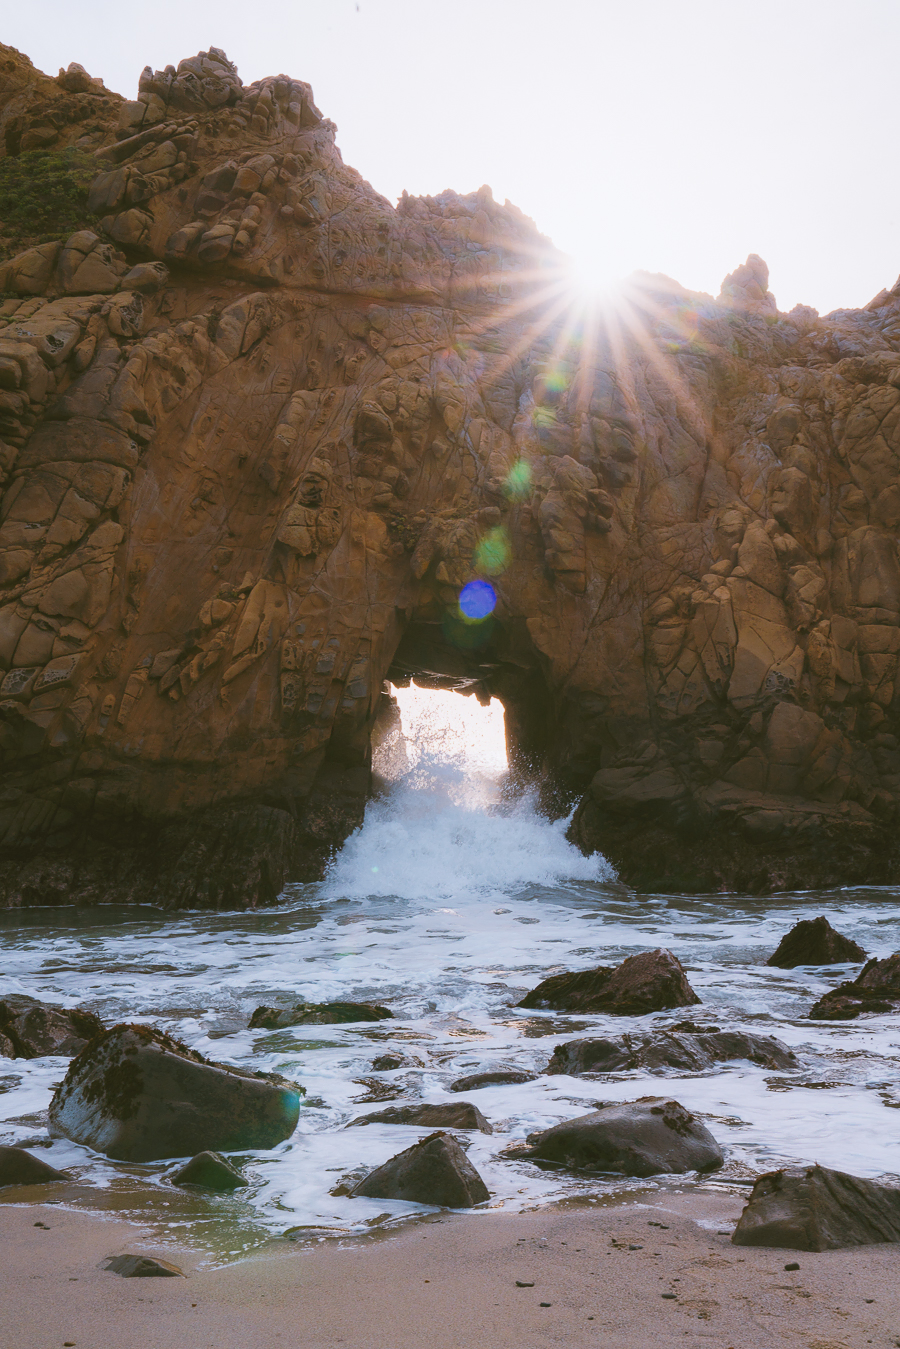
(266, 441)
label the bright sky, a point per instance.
(673, 135)
(435, 719)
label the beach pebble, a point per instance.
(142, 1267)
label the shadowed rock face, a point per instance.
(433, 1171)
(813, 941)
(685, 1051)
(641, 1138)
(810, 1208)
(257, 429)
(649, 982)
(875, 989)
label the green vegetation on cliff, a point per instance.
(43, 196)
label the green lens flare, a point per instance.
(493, 553)
(518, 481)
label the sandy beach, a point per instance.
(659, 1273)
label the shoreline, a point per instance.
(650, 1274)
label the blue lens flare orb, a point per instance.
(477, 599)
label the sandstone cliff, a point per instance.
(257, 429)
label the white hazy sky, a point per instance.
(674, 135)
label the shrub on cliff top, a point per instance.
(43, 196)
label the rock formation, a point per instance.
(813, 941)
(689, 1051)
(810, 1208)
(433, 1171)
(648, 982)
(258, 427)
(648, 1137)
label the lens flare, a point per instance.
(518, 481)
(477, 599)
(493, 553)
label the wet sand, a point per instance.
(449, 1282)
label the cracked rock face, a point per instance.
(258, 427)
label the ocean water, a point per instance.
(447, 906)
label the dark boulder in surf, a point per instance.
(30, 1029)
(136, 1094)
(656, 1051)
(813, 941)
(444, 1115)
(18, 1167)
(649, 982)
(648, 1137)
(211, 1171)
(317, 1014)
(875, 989)
(434, 1171)
(810, 1208)
(500, 1077)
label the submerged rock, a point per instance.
(137, 1094)
(446, 1115)
(649, 1137)
(502, 1077)
(18, 1167)
(691, 1052)
(813, 941)
(210, 1170)
(142, 1267)
(433, 1171)
(29, 1029)
(317, 1014)
(875, 989)
(810, 1208)
(649, 982)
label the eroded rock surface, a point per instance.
(29, 1028)
(258, 427)
(813, 941)
(875, 989)
(688, 1051)
(810, 1208)
(642, 1138)
(649, 982)
(136, 1094)
(433, 1171)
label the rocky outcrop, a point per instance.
(210, 1171)
(649, 982)
(136, 1094)
(643, 1138)
(810, 1208)
(499, 1077)
(18, 1167)
(433, 1171)
(443, 1115)
(688, 1051)
(317, 1014)
(258, 428)
(875, 989)
(29, 1029)
(813, 941)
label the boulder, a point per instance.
(875, 989)
(211, 1171)
(142, 1267)
(813, 941)
(31, 1028)
(317, 1014)
(810, 1208)
(502, 1077)
(648, 1137)
(18, 1167)
(433, 1171)
(446, 1115)
(649, 982)
(655, 1051)
(136, 1094)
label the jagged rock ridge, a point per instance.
(257, 429)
